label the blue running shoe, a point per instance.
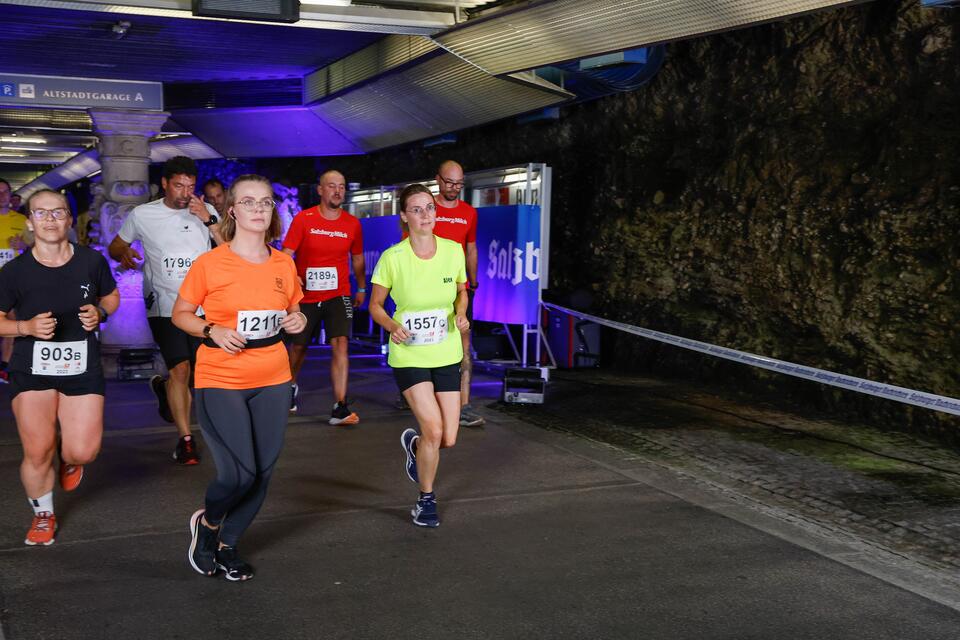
(407, 440)
(425, 512)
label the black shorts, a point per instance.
(176, 345)
(445, 378)
(336, 314)
(84, 384)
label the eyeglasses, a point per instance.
(250, 205)
(56, 214)
(458, 183)
(421, 211)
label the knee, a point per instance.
(339, 347)
(39, 457)
(180, 374)
(431, 435)
(448, 441)
(83, 454)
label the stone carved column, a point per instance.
(125, 160)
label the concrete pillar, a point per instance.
(125, 160)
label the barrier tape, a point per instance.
(851, 383)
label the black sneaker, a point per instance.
(407, 440)
(294, 398)
(341, 414)
(470, 418)
(158, 384)
(203, 546)
(425, 512)
(186, 452)
(234, 569)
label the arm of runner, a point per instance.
(198, 208)
(460, 308)
(377, 297)
(90, 316)
(295, 321)
(472, 264)
(185, 318)
(360, 273)
(121, 251)
(40, 326)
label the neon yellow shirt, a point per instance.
(12, 225)
(424, 291)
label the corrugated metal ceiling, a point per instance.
(550, 31)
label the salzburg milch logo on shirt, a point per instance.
(324, 232)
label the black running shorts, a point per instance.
(445, 378)
(84, 384)
(176, 345)
(336, 314)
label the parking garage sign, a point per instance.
(79, 93)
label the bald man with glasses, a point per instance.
(457, 221)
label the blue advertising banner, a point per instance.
(54, 91)
(508, 243)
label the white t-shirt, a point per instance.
(172, 239)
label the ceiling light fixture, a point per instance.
(23, 139)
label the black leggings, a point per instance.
(243, 429)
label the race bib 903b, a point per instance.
(59, 358)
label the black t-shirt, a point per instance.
(29, 287)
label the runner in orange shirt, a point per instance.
(250, 294)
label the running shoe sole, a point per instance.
(408, 450)
(350, 419)
(195, 525)
(70, 481)
(231, 577)
(429, 525)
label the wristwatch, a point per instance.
(206, 330)
(212, 221)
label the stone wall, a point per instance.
(792, 190)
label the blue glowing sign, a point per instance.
(80, 93)
(508, 243)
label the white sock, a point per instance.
(41, 504)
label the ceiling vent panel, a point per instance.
(552, 31)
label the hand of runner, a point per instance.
(129, 258)
(89, 317)
(294, 322)
(227, 339)
(359, 299)
(463, 325)
(40, 326)
(197, 208)
(399, 335)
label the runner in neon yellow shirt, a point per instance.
(426, 276)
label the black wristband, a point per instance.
(212, 221)
(103, 314)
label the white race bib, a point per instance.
(174, 266)
(425, 327)
(59, 358)
(6, 255)
(322, 279)
(257, 325)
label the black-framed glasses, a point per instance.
(56, 214)
(452, 183)
(250, 205)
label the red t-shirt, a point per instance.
(322, 246)
(457, 223)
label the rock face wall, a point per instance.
(792, 190)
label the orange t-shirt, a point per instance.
(223, 284)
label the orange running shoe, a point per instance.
(42, 529)
(70, 475)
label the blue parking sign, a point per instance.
(8, 89)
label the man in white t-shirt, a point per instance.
(173, 232)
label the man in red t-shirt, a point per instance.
(457, 221)
(321, 238)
